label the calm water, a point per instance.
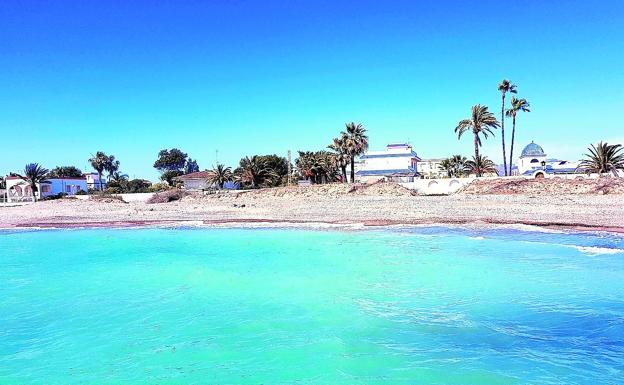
(230, 306)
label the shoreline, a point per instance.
(327, 205)
(311, 224)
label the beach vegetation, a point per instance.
(355, 143)
(318, 166)
(102, 162)
(517, 105)
(65, 172)
(480, 123)
(480, 165)
(341, 156)
(603, 158)
(34, 174)
(173, 163)
(261, 171)
(504, 87)
(220, 174)
(191, 166)
(455, 166)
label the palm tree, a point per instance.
(504, 87)
(254, 171)
(100, 162)
(341, 156)
(118, 177)
(112, 166)
(516, 105)
(355, 143)
(220, 175)
(481, 122)
(603, 158)
(34, 174)
(447, 165)
(480, 165)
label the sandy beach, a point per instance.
(388, 205)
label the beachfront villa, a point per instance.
(397, 163)
(431, 168)
(534, 162)
(94, 182)
(18, 189)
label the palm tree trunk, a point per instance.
(476, 148)
(100, 180)
(344, 173)
(352, 168)
(503, 135)
(513, 135)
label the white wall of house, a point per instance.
(18, 190)
(397, 162)
(93, 181)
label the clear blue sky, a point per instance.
(259, 77)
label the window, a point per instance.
(45, 188)
(68, 188)
(534, 161)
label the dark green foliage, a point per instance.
(603, 158)
(318, 166)
(259, 171)
(170, 160)
(33, 175)
(191, 166)
(168, 176)
(65, 172)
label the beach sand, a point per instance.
(337, 205)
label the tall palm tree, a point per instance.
(455, 166)
(355, 143)
(100, 162)
(504, 87)
(34, 174)
(517, 105)
(341, 156)
(603, 158)
(112, 166)
(480, 165)
(481, 122)
(220, 175)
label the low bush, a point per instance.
(167, 196)
(81, 192)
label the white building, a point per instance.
(534, 162)
(19, 190)
(196, 181)
(431, 168)
(398, 163)
(94, 182)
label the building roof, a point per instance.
(532, 149)
(395, 172)
(200, 175)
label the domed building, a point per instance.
(531, 158)
(533, 162)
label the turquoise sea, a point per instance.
(428, 305)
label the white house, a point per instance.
(431, 168)
(534, 162)
(196, 181)
(398, 163)
(94, 182)
(18, 189)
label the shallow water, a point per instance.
(272, 306)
